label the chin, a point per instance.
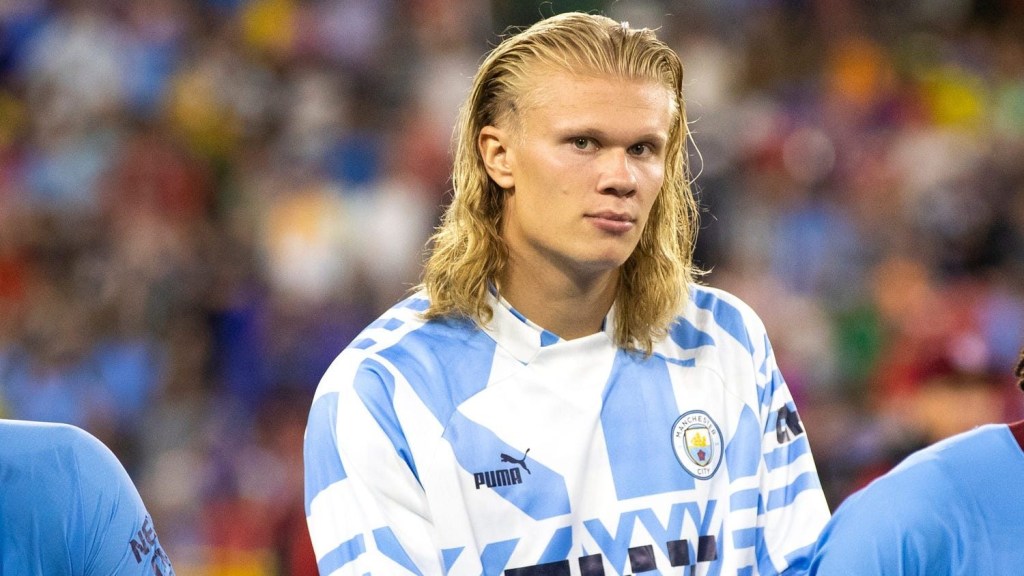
(606, 262)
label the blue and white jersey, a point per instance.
(953, 508)
(68, 508)
(445, 448)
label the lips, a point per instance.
(612, 222)
(613, 216)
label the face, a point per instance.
(582, 168)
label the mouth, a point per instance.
(612, 216)
(614, 222)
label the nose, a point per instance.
(617, 175)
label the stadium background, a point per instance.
(202, 201)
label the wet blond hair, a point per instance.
(468, 253)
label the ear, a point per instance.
(493, 145)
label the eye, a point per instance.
(581, 143)
(641, 149)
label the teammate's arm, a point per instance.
(117, 533)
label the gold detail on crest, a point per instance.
(699, 441)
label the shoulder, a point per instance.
(405, 318)
(720, 308)
(24, 441)
(66, 490)
(55, 454)
(402, 341)
(865, 533)
(941, 465)
(921, 479)
(716, 319)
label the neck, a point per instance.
(569, 307)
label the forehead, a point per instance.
(555, 97)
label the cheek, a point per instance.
(545, 183)
(653, 179)
(544, 164)
(653, 176)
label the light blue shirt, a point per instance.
(68, 507)
(956, 507)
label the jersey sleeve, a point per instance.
(793, 505)
(117, 534)
(366, 510)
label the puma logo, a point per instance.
(506, 477)
(520, 461)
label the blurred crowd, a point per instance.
(203, 201)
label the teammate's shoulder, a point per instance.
(968, 454)
(919, 480)
(25, 435)
(56, 454)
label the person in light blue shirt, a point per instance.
(69, 508)
(955, 507)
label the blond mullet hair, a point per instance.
(468, 253)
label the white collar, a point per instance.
(523, 338)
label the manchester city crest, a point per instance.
(697, 441)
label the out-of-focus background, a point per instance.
(202, 202)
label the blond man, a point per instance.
(560, 396)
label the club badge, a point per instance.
(697, 441)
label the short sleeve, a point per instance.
(117, 533)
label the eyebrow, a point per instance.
(598, 134)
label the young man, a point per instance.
(560, 397)
(68, 508)
(955, 507)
